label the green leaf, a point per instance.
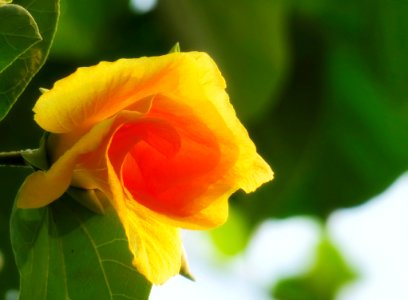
(18, 32)
(64, 251)
(338, 137)
(16, 76)
(91, 199)
(10, 178)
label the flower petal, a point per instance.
(44, 187)
(92, 94)
(247, 175)
(188, 187)
(173, 161)
(209, 217)
(238, 165)
(155, 245)
(41, 188)
(251, 170)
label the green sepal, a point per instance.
(43, 90)
(38, 158)
(185, 268)
(175, 48)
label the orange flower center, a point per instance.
(166, 162)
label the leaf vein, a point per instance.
(111, 242)
(120, 264)
(63, 266)
(123, 296)
(85, 230)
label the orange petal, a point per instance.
(205, 94)
(163, 180)
(238, 166)
(188, 188)
(247, 175)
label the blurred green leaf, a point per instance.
(232, 237)
(96, 30)
(80, 25)
(247, 40)
(86, 25)
(336, 138)
(15, 78)
(64, 251)
(1, 261)
(389, 32)
(328, 274)
(18, 32)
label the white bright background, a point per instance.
(373, 239)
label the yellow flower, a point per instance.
(159, 138)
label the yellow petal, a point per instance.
(44, 187)
(41, 188)
(210, 217)
(92, 94)
(251, 170)
(206, 96)
(155, 245)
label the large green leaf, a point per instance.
(15, 78)
(65, 251)
(338, 136)
(10, 179)
(18, 32)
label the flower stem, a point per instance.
(12, 159)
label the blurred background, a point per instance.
(321, 87)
